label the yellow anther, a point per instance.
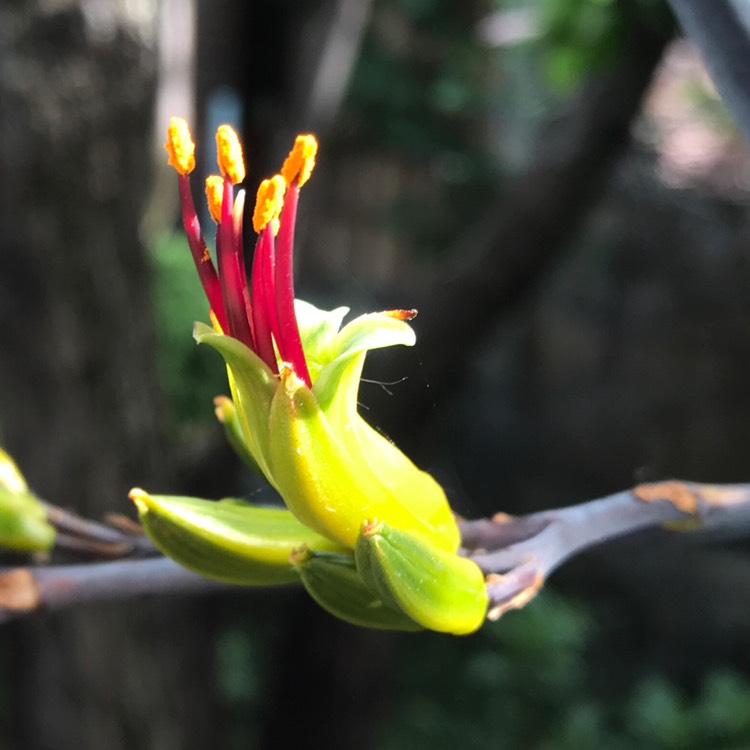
(180, 146)
(268, 203)
(229, 154)
(301, 160)
(215, 195)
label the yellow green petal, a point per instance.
(323, 482)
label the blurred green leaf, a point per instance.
(188, 377)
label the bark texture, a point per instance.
(79, 404)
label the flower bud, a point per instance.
(229, 541)
(23, 518)
(23, 523)
(440, 590)
(333, 582)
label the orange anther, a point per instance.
(298, 166)
(180, 146)
(215, 195)
(268, 203)
(229, 154)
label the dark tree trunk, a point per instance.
(79, 404)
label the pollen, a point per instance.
(229, 154)
(180, 146)
(268, 203)
(215, 195)
(301, 160)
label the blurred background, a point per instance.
(557, 187)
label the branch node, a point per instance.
(673, 491)
(514, 590)
(502, 530)
(18, 592)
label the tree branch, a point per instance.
(721, 31)
(336, 30)
(81, 535)
(503, 256)
(517, 553)
(26, 590)
(499, 260)
(520, 553)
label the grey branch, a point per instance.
(122, 538)
(26, 590)
(721, 31)
(517, 553)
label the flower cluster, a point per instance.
(370, 535)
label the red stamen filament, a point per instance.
(201, 257)
(238, 214)
(262, 293)
(231, 271)
(271, 318)
(288, 341)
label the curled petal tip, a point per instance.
(140, 498)
(402, 314)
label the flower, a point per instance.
(294, 372)
(368, 534)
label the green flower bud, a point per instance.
(23, 523)
(11, 478)
(228, 541)
(23, 519)
(332, 581)
(438, 589)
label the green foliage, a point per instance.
(719, 716)
(458, 114)
(241, 663)
(524, 682)
(188, 376)
(420, 93)
(581, 37)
